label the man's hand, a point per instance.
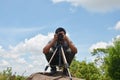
(65, 38)
(55, 37)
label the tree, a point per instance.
(84, 70)
(111, 59)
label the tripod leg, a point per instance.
(50, 60)
(69, 73)
(65, 62)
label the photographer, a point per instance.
(69, 49)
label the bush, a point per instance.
(7, 75)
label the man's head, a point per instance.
(60, 33)
(60, 29)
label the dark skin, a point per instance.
(65, 38)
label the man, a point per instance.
(69, 49)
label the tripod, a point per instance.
(59, 48)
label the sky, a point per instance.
(26, 26)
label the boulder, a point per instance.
(47, 76)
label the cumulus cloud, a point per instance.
(102, 44)
(33, 45)
(25, 56)
(94, 5)
(98, 45)
(117, 26)
(118, 37)
(4, 63)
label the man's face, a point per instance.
(61, 36)
(61, 32)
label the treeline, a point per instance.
(8, 75)
(106, 65)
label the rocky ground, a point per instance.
(47, 76)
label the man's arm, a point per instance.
(49, 45)
(71, 45)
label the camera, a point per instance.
(60, 37)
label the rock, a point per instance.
(47, 76)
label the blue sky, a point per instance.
(27, 25)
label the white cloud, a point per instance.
(118, 37)
(21, 60)
(4, 63)
(98, 45)
(103, 44)
(94, 5)
(117, 26)
(25, 56)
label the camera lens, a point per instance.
(60, 37)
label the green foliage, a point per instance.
(7, 75)
(83, 70)
(111, 60)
